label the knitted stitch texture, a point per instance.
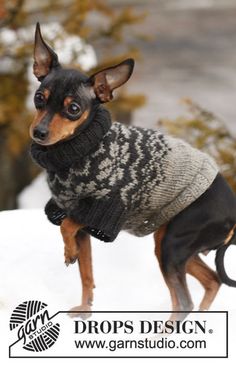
(135, 179)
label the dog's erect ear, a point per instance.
(44, 57)
(105, 81)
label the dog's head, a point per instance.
(66, 98)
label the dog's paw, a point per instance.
(82, 311)
(70, 260)
(70, 256)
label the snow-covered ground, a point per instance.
(126, 273)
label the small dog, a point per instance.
(106, 177)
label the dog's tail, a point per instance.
(219, 261)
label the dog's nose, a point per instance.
(40, 133)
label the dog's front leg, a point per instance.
(78, 246)
(69, 231)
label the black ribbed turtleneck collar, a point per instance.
(60, 156)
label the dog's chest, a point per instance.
(93, 178)
(68, 189)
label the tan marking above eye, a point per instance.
(46, 93)
(68, 100)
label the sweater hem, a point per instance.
(204, 178)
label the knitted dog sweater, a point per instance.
(114, 177)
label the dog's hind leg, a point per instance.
(172, 264)
(78, 246)
(207, 277)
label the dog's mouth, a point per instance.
(42, 143)
(47, 142)
(51, 140)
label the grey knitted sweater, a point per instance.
(134, 179)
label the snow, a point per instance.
(35, 195)
(126, 273)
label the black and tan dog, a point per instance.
(209, 223)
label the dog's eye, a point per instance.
(73, 108)
(39, 99)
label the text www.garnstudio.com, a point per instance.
(163, 343)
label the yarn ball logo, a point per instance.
(34, 326)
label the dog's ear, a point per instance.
(44, 57)
(105, 81)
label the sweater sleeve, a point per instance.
(103, 218)
(54, 214)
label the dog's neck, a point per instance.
(62, 155)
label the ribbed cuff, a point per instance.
(102, 218)
(54, 214)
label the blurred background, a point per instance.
(184, 81)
